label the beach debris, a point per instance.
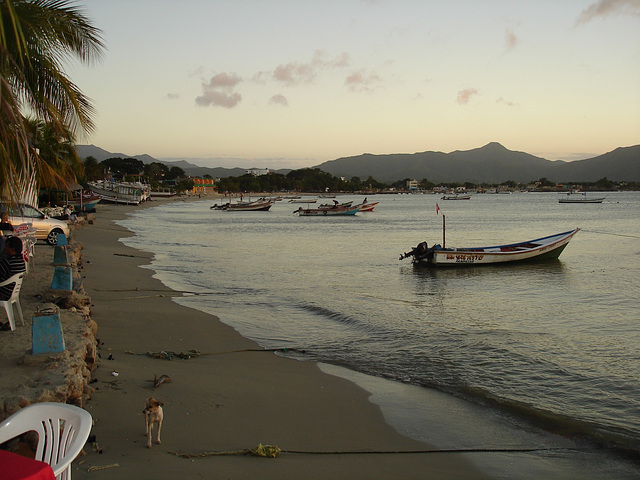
(102, 467)
(157, 381)
(114, 373)
(111, 357)
(169, 355)
(267, 451)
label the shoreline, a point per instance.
(221, 402)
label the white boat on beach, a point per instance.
(129, 193)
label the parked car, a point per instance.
(47, 228)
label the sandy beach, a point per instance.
(231, 398)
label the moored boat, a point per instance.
(532, 250)
(255, 206)
(580, 198)
(368, 207)
(456, 197)
(325, 212)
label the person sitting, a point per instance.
(5, 224)
(11, 263)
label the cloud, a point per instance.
(604, 8)
(295, 73)
(506, 102)
(219, 91)
(361, 82)
(465, 95)
(510, 40)
(279, 100)
(173, 96)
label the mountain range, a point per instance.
(492, 164)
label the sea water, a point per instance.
(554, 345)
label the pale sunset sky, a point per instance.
(294, 83)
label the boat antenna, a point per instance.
(443, 224)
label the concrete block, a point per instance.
(47, 333)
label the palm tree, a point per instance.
(36, 37)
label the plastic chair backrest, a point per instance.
(62, 432)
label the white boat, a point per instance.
(130, 193)
(580, 198)
(532, 250)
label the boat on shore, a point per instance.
(302, 200)
(84, 203)
(580, 198)
(543, 248)
(128, 193)
(326, 212)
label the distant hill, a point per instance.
(191, 169)
(492, 163)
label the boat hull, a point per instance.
(540, 249)
(326, 212)
(249, 207)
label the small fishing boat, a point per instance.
(84, 203)
(326, 212)
(456, 197)
(255, 206)
(580, 198)
(368, 207)
(532, 250)
(302, 200)
(335, 205)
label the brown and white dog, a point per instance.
(153, 414)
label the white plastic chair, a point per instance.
(62, 432)
(15, 298)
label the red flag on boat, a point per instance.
(437, 209)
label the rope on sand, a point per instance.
(102, 467)
(168, 355)
(267, 451)
(273, 451)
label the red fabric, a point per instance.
(17, 467)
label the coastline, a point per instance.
(222, 401)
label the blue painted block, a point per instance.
(47, 334)
(62, 279)
(59, 255)
(62, 239)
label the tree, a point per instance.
(175, 172)
(36, 38)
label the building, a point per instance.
(204, 186)
(412, 184)
(256, 172)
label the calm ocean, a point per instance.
(554, 345)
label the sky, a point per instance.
(294, 83)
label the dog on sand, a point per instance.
(153, 414)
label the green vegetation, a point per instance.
(36, 39)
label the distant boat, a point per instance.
(302, 200)
(580, 198)
(335, 205)
(532, 250)
(326, 212)
(456, 197)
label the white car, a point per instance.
(47, 228)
